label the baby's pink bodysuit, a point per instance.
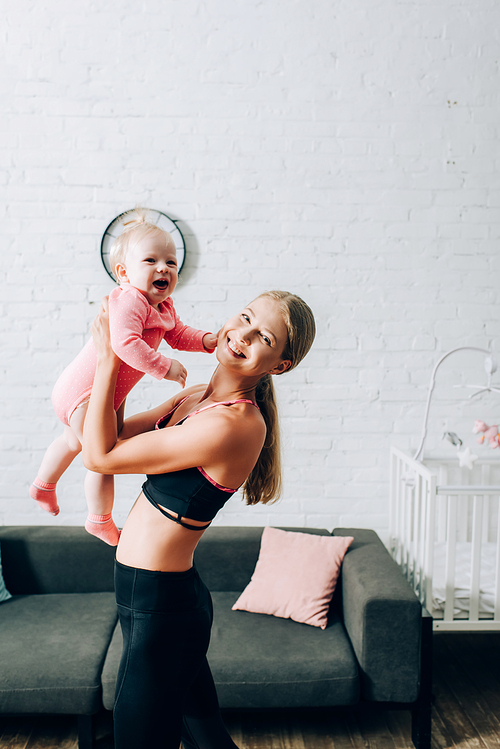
(137, 329)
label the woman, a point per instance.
(228, 439)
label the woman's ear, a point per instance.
(281, 367)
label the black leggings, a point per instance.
(165, 690)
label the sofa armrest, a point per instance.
(382, 616)
(55, 559)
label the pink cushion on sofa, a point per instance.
(295, 576)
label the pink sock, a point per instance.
(44, 493)
(103, 527)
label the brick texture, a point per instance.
(345, 151)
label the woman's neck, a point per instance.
(225, 386)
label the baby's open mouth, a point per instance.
(160, 284)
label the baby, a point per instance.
(141, 314)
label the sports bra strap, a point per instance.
(205, 408)
(174, 408)
(213, 405)
(220, 403)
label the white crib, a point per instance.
(445, 534)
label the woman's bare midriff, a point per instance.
(151, 541)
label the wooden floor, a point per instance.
(466, 713)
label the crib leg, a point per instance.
(421, 715)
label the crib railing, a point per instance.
(426, 508)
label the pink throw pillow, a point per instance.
(295, 576)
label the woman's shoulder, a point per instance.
(194, 393)
(233, 425)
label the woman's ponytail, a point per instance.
(264, 482)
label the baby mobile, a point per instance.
(489, 434)
(466, 459)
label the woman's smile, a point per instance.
(258, 335)
(234, 348)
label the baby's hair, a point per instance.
(137, 225)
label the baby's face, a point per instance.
(151, 267)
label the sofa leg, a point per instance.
(421, 728)
(421, 716)
(86, 732)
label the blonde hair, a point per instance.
(137, 225)
(264, 482)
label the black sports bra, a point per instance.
(191, 492)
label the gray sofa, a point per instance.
(60, 643)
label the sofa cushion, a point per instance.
(52, 649)
(61, 559)
(295, 576)
(260, 661)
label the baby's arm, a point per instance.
(127, 317)
(184, 338)
(210, 342)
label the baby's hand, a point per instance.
(210, 341)
(177, 373)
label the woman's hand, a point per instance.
(101, 335)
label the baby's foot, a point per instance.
(44, 493)
(103, 527)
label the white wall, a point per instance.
(346, 151)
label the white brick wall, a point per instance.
(345, 151)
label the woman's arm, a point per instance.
(100, 428)
(219, 439)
